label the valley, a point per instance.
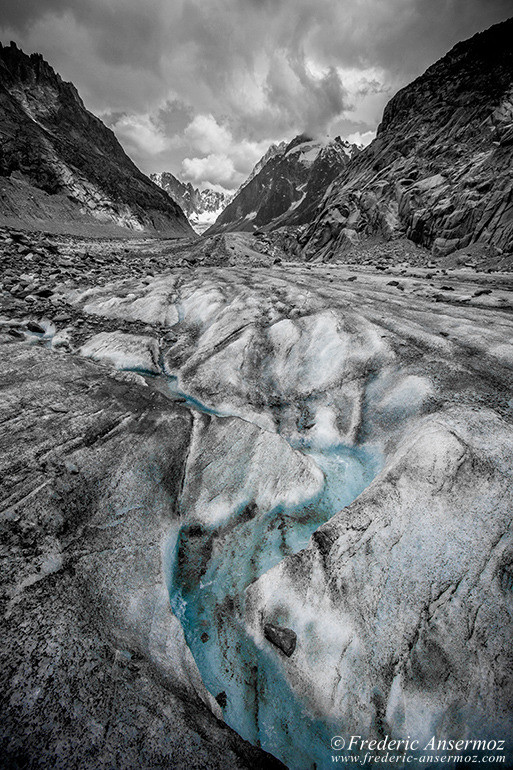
(298, 388)
(257, 483)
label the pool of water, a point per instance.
(208, 570)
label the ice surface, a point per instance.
(249, 500)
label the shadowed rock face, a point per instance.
(50, 142)
(439, 168)
(287, 189)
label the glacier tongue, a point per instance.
(375, 597)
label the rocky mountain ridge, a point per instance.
(439, 170)
(200, 206)
(288, 187)
(60, 163)
(274, 149)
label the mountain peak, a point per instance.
(29, 69)
(298, 140)
(286, 186)
(60, 163)
(201, 206)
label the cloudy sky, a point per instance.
(202, 87)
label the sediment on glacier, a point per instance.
(402, 592)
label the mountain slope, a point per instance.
(439, 170)
(288, 187)
(58, 161)
(274, 149)
(201, 206)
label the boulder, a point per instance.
(283, 638)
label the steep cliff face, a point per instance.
(288, 188)
(439, 170)
(58, 161)
(274, 149)
(182, 193)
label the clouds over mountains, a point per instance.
(201, 87)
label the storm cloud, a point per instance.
(201, 87)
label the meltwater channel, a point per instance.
(208, 570)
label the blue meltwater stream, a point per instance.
(208, 570)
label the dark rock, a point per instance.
(72, 165)
(16, 334)
(33, 326)
(324, 539)
(284, 189)
(222, 699)
(436, 154)
(283, 638)
(482, 292)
